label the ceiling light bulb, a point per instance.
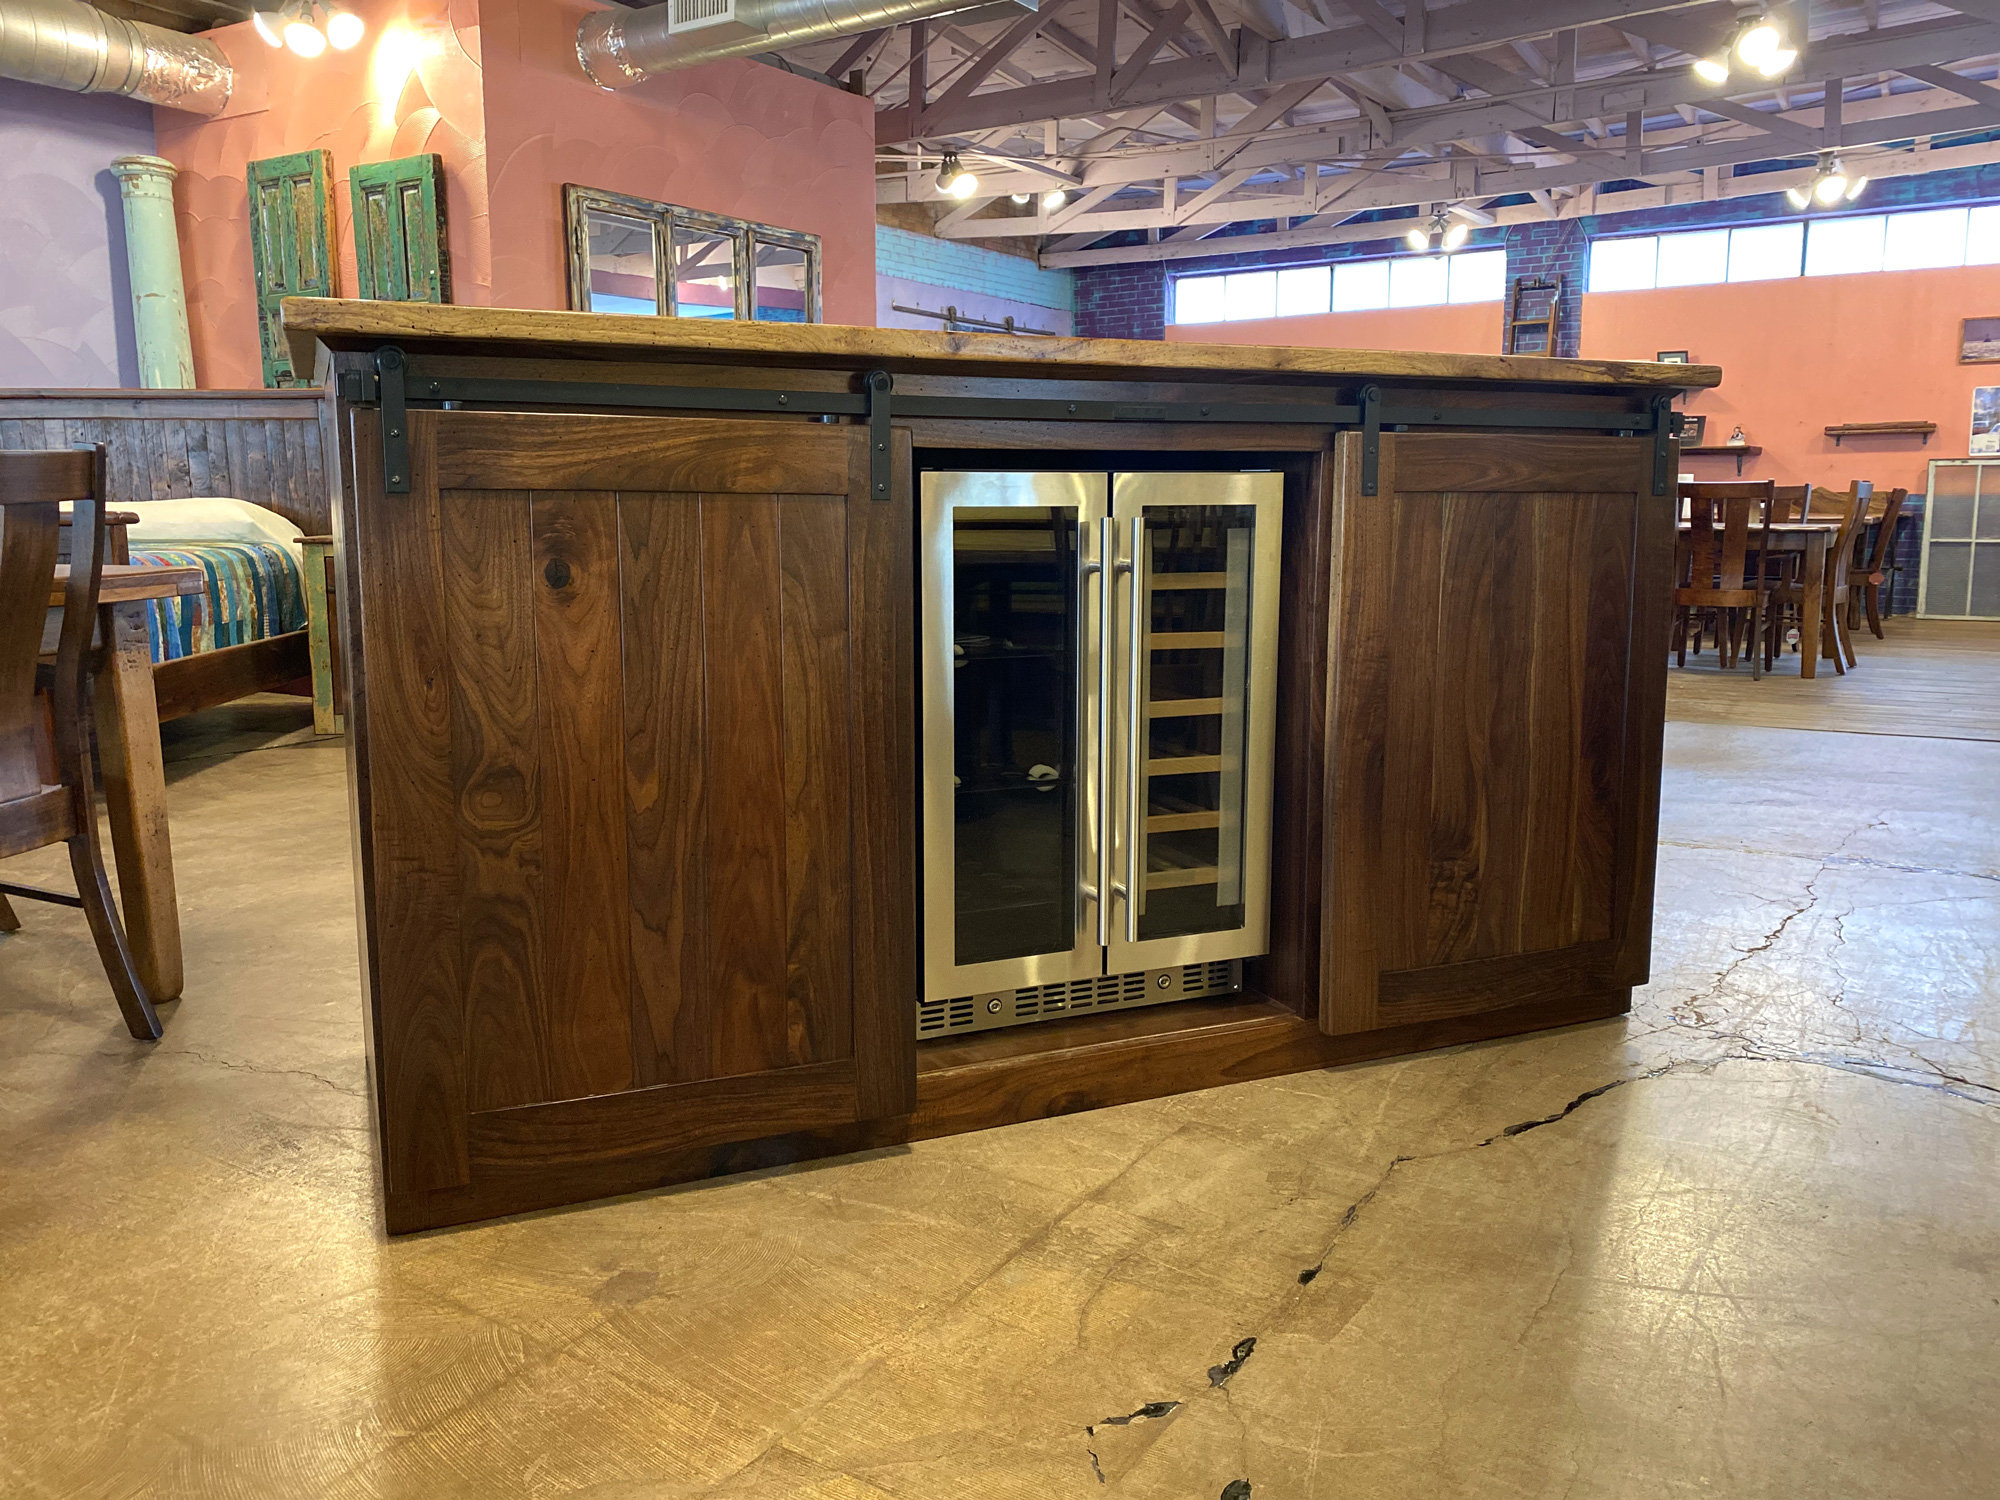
(1455, 236)
(1053, 199)
(1798, 197)
(1019, 200)
(344, 29)
(1713, 69)
(1416, 239)
(1831, 188)
(1855, 191)
(1778, 62)
(304, 38)
(954, 180)
(1758, 42)
(270, 26)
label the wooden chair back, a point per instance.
(1791, 502)
(35, 811)
(1722, 519)
(1851, 510)
(1871, 553)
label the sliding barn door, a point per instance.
(633, 722)
(1500, 635)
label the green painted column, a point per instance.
(153, 260)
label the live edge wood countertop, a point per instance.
(342, 324)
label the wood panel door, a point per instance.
(1494, 724)
(400, 248)
(291, 247)
(634, 749)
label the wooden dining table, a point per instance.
(1812, 540)
(128, 744)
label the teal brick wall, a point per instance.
(955, 264)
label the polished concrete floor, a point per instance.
(1743, 1243)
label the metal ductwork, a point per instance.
(619, 48)
(68, 45)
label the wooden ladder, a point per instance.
(1544, 321)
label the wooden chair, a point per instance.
(1791, 502)
(47, 789)
(1852, 508)
(1874, 554)
(1713, 568)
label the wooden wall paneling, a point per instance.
(579, 705)
(814, 626)
(666, 794)
(882, 592)
(489, 611)
(410, 808)
(748, 1022)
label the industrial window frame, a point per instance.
(747, 237)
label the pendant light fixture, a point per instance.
(1053, 199)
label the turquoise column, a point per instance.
(153, 260)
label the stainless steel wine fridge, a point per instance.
(1099, 664)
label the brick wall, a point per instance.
(965, 267)
(1122, 302)
(1557, 248)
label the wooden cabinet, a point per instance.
(635, 782)
(628, 609)
(1497, 705)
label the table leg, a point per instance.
(135, 794)
(1810, 607)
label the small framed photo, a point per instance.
(1979, 341)
(1694, 427)
(1985, 421)
(1673, 357)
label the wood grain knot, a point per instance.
(557, 573)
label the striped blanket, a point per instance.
(254, 591)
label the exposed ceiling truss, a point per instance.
(1178, 118)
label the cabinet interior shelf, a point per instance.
(1183, 708)
(1921, 430)
(1167, 880)
(1167, 583)
(1185, 640)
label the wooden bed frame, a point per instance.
(259, 446)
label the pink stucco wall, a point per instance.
(413, 85)
(734, 137)
(493, 86)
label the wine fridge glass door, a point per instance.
(1193, 649)
(1012, 722)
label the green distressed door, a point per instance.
(399, 235)
(291, 247)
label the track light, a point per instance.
(1829, 185)
(343, 28)
(1053, 199)
(1443, 233)
(307, 27)
(1756, 43)
(954, 180)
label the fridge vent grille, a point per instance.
(1103, 992)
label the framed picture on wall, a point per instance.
(1694, 427)
(1672, 357)
(1979, 341)
(1985, 420)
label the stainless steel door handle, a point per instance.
(1135, 729)
(1097, 758)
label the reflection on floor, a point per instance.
(1743, 1243)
